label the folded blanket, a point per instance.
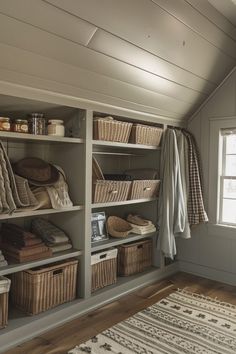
(60, 247)
(48, 232)
(3, 263)
(26, 251)
(21, 259)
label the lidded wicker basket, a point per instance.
(118, 227)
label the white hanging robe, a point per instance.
(172, 203)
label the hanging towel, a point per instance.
(196, 210)
(171, 208)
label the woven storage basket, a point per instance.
(110, 191)
(38, 290)
(104, 269)
(134, 257)
(111, 130)
(118, 227)
(145, 134)
(4, 290)
(144, 189)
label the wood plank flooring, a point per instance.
(61, 339)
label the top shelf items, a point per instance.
(123, 132)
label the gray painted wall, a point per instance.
(211, 253)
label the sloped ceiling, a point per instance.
(164, 56)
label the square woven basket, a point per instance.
(134, 257)
(144, 189)
(111, 130)
(145, 135)
(4, 290)
(110, 191)
(104, 269)
(37, 290)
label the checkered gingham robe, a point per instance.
(196, 210)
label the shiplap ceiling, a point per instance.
(164, 56)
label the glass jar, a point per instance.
(37, 124)
(5, 124)
(56, 127)
(20, 126)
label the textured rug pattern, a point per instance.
(182, 323)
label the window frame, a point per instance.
(216, 226)
(222, 176)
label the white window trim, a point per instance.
(215, 160)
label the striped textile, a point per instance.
(182, 323)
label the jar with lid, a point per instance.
(5, 124)
(56, 127)
(37, 124)
(20, 126)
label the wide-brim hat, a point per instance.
(37, 171)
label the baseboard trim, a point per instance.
(208, 272)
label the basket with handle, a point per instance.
(110, 191)
(37, 290)
(144, 189)
(4, 290)
(146, 135)
(104, 268)
(109, 129)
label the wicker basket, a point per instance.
(110, 191)
(38, 290)
(111, 130)
(146, 135)
(134, 257)
(4, 290)
(104, 269)
(144, 189)
(118, 227)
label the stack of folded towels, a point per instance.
(140, 225)
(20, 246)
(54, 238)
(3, 261)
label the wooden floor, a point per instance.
(60, 340)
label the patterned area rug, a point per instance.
(180, 323)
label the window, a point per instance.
(227, 177)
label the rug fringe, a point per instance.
(208, 298)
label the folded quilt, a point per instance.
(20, 259)
(48, 232)
(59, 247)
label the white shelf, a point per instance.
(38, 138)
(17, 267)
(126, 202)
(23, 214)
(102, 245)
(111, 144)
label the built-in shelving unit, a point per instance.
(125, 202)
(112, 242)
(35, 213)
(59, 256)
(74, 155)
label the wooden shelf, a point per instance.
(102, 245)
(111, 144)
(38, 138)
(17, 267)
(23, 214)
(125, 202)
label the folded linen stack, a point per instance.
(55, 238)
(3, 261)
(20, 246)
(140, 225)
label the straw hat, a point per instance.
(37, 171)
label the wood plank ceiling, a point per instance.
(165, 56)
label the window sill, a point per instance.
(222, 230)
